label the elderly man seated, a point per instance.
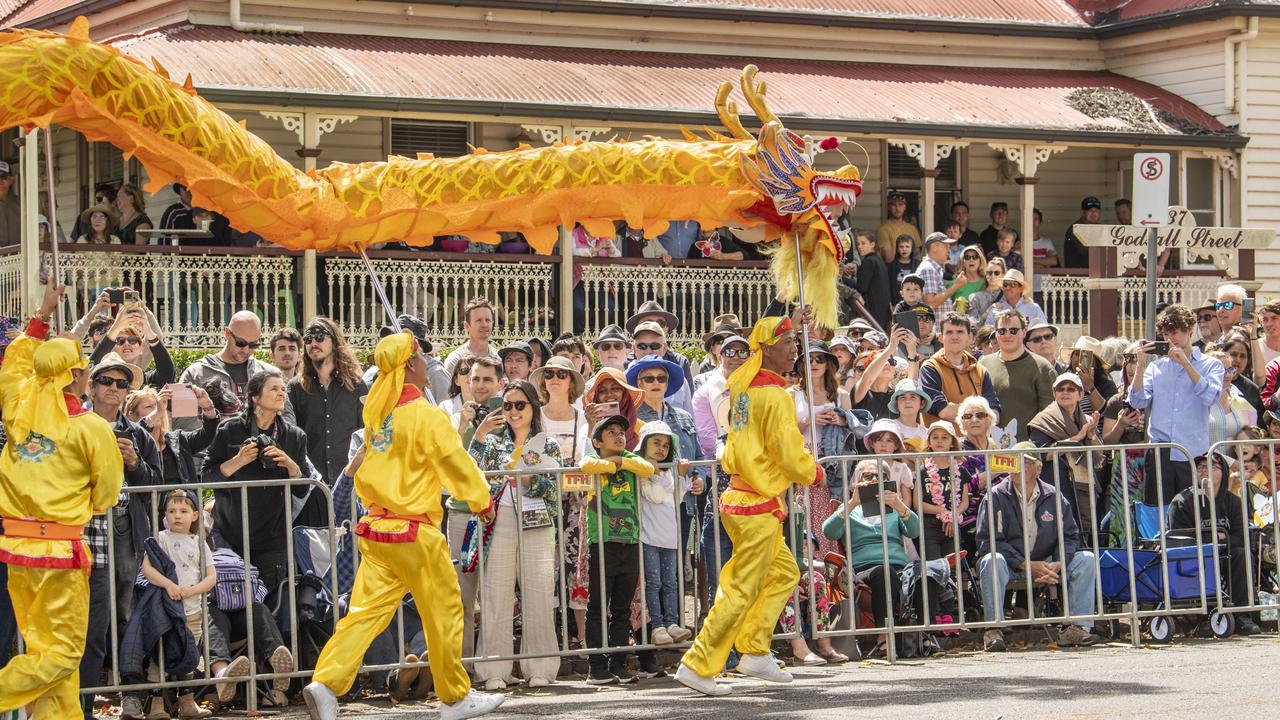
(1023, 512)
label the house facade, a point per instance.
(1034, 103)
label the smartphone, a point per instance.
(1246, 315)
(115, 296)
(182, 402)
(909, 320)
(1084, 363)
(610, 409)
(869, 500)
(124, 434)
(131, 300)
(1161, 347)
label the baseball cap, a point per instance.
(650, 326)
(936, 237)
(1069, 377)
(4, 168)
(1090, 203)
(895, 196)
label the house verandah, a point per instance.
(1029, 138)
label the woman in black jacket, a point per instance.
(178, 448)
(259, 444)
(873, 279)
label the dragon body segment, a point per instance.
(745, 180)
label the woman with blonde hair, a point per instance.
(132, 205)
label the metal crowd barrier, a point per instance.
(1207, 599)
(1260, 521)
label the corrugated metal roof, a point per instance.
(352, 65)
(1037, 11)
(1136, 9)
(36, 9)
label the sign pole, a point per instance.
(1153, 259)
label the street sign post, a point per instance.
(1150, 198)
(1178, 230)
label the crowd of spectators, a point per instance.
(953, 360)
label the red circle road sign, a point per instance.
(1152, 168)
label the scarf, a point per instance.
(41, 407)
(391, 355)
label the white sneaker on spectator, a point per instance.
(495, 685)
(237, 668)
(322, 704)
(281, 661)
(661, 637)
(679, 634)
(705, 685)
(763, 667)
(474, 704)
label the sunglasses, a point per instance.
(648, 346)
(120, 383)
(1011, 285)
(557, 374)
(995, 272)
(971, 257)
(974, 416)
(1040, 338)
(1066, 388)
(1208, 316)
(314, 337)
(1008, 330)
(611, 346)
(791, 373)
(738, 354)
(517, 405)
(244, 343)
(646, 379)
(128, 340)
(1228, 305)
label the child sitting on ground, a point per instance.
(613, 514)
(660, 531)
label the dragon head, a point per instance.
(781, 169)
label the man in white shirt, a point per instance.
(1014, 285)
(477, 320)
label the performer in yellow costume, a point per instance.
(411, 449)
(61, 465)
(764, 455)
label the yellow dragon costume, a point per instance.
(47, 78)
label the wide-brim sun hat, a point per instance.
(675, 373)
(907, 386)
(539, 380)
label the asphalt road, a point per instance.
(1234, 678)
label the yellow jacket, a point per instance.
(65, 483)
(409, 458)
(765, 449)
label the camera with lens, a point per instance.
(264, 441)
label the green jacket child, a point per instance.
(617, 471)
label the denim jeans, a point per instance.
(661, 592)
(1080, 595)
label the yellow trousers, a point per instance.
(52, 610)
(387, 571)
(754, 587)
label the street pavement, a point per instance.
(1223, 679)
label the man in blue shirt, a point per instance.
(1176, 391)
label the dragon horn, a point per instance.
(728, 112)
(755, 92)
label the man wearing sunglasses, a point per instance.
(612, 347)
(110, 382)
(1022, 379)
(1014, 286)
(651, 341)
(234, 364)
(1208, 326)
(1230, 305)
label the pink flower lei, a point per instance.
(933, 482)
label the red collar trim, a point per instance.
(408, 394)
(74, 407)
(767, 378)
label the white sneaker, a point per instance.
(281, 661)
(705, 685)
(495, 685)
(322, 704)
(679, 634)
(237, 668)
(661, 637)
(763, 667)
(474, 704)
